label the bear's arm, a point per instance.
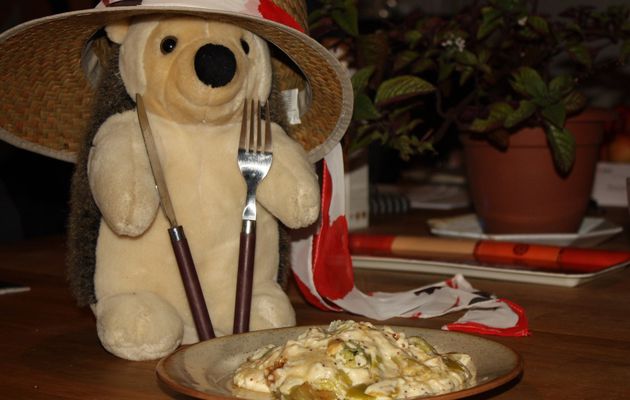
(291, 189)
(120, 176)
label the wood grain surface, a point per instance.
(579, 347)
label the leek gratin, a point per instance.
(352, 360)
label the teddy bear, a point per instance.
(194, 75)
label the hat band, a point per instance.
(266, 9)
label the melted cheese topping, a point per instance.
(353, 360)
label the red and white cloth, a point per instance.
(323, 269)
(266, 9)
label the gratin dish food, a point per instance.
(206, 370)
(354, 361)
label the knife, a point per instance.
(179, 242)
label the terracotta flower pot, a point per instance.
(520, 191)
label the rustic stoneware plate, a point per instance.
(204, 370)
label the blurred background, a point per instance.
(34, 189)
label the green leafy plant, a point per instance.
(491, 68)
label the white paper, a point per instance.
(609, 188)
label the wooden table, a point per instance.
(579, 347)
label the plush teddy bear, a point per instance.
(194, 75)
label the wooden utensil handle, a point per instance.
(192, 286)
(245, 278)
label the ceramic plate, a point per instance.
(592, 232)
(204, 370)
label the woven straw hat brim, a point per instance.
(47, 101)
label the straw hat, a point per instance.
(47, 99)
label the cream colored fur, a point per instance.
(141, 310)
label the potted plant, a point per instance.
(497, 70)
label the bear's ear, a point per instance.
(117, 31)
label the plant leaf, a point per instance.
(364, 108)
(408, 128)
(555, 114)
(405, 58)
(346, 16)
(364, 137)
(373, 49)
(402, 87)
(410, 145)
(525, 110)
(403, 145)
(527, 82)
(511, 6)
(413, 37)
(465, 75)
(315, 16)
(483, 55)
(491, 20)
(562, 145)
(539, 24)
(573, 27)
(560, 86)
(580, 53)
(574, 102)
(483, 125)
(498, 114)
(527, 33)
(500, 110)
(466, 57)
(361, 78)
(422, 65)
(445, 70)
(499, 138)
(401, 112)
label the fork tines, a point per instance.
(252, 140)
(254, 158)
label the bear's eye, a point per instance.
(168, 44)
(245, 46)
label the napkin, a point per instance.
(322, 267)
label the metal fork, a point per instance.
(254, 160)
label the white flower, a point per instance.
(522, 21)
(455, 41)
(460, 43)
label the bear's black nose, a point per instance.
(215, 65)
